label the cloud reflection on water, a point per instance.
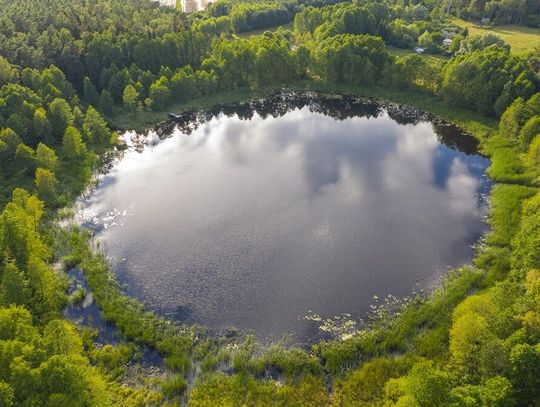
(255, 222)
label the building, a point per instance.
(203, 4)
(190, 6)
(419, 50)
(447, 42)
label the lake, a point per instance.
(270, 215)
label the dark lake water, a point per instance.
(257, 215)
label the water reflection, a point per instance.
(270, 210)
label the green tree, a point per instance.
(8, 73)
(469, 337)
(130, 97)
(530, 129)
(481, 42)
(46, 157)
(160, 93)
(513, 118)
(497, 392)
(533, 155)
(15, 290)
(73, 144)
(95, 128)
(91, 96)
(525, 364)
(61, 338)
(46, 185)
(60, 117)
(106, 103)
(25, 157)
(7, 395)
(41, 123)
(16, 324)
(424, 386)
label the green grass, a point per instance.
(248, 34)
(521, 39)
(399, 52)
(506, 211)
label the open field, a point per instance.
(402, 51)
(521, 39)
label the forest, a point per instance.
(72, 71)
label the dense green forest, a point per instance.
(72, 70)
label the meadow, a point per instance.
(520, 38)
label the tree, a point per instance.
(525, 364)
(16, 324)
(469, 336)
(423, 386)
(60, 117)
(498, 392)
(91, 96)
(160, 93)
(41, 123)
(345, 58)
(25, 157)
(46, 184)
(61, 338)
(513, 118)
(8, 73)
(301, 60)
(533, 155)
(481, 42)
(476, 80)
(95, 128)
(15, 290)
(106, 103)
(7, 395)
(46, 157)
(73, 144)
(65, 375)
(130, 97)
(530, 129)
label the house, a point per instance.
(190, 6)
(447, 42)
(485, 20)
(419, 50)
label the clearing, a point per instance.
(520, 38)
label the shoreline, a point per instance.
(143, 140)
(391, 331)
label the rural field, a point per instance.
(520, 38)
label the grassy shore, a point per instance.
(520, 38)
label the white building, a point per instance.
(190, 6)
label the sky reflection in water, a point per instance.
(254, 223)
